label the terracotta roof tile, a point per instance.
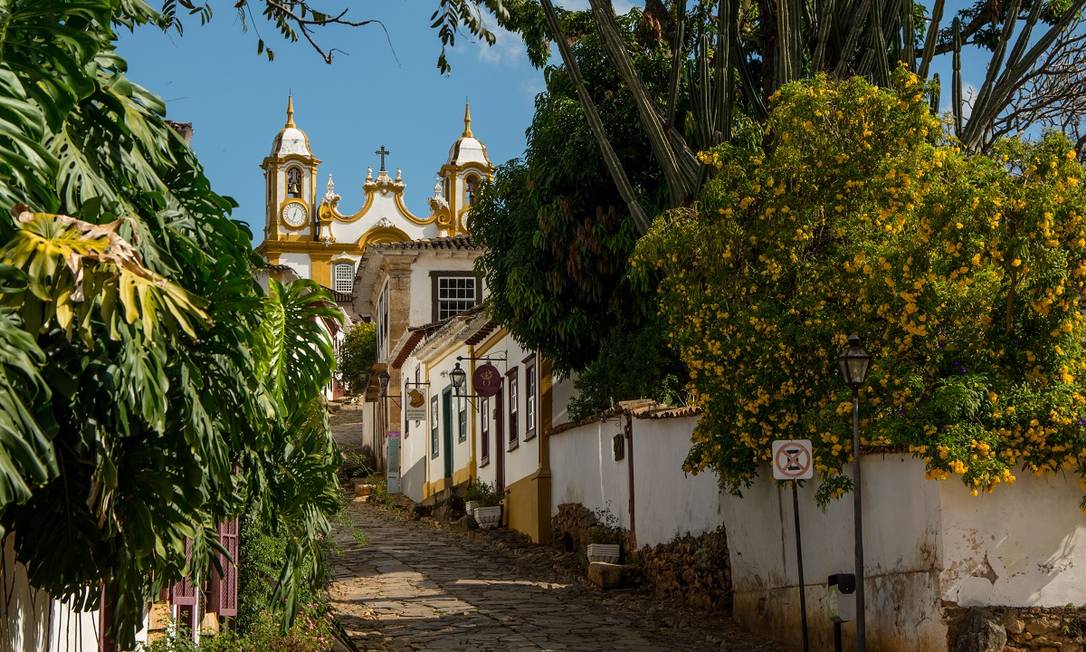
(639, 409)
(455, 242)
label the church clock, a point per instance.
(295, 214)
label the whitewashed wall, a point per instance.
(422, 307)
(669, 502)
(523, 460)
(583, 469)
(414, 440)
(1022, 545)
(299, 262)
(439, 381)
(901, 544)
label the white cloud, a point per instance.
(508, 48)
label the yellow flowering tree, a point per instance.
(851, 211)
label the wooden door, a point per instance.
(499, 443)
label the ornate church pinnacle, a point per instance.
(290, 111)
(467, 120)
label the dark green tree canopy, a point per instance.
(556, 232)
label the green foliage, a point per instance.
(483, 494)
(558, 235)
(261, 552)
(606, 529)
(851, 212)
(630, 364)
(150, 389)
(357, 354)
(311, 633)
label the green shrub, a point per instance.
(357, 354)
(606, 530)
(483, 494)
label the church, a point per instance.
(308, 232)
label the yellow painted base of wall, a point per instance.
(527, 507)
(460, 478)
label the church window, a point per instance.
(454, 293)
(343, 277)
(382, 324)
(471, 186)
(294, 183)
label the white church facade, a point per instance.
(309, 233)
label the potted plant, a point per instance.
(488, 509)
(605, 538)
(472, 497)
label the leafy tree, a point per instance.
(558, 235)
(150, 390)
(357, 354)
(852, 212)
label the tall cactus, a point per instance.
(956, 99)
(844, 38)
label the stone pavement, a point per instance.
(414, 586)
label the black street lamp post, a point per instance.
(854, 363)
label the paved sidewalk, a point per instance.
(413, 586)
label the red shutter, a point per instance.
(223, 598)
(183, 593)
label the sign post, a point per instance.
(793, 460)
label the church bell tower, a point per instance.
(290, 174)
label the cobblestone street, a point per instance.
(413, 586)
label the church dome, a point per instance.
(291, 139)
(468, 148)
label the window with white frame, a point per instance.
(529, 400)
(382, 324)
(514, 407)
(343, 277)
(454, 294)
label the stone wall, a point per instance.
(1020, 629)
(569, 527)
(695, 569)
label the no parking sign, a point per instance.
(793, 459)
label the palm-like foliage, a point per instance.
(148, 388)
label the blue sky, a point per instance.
(211, 76)
(371, 95)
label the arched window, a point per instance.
(471, 186)
(294, 183)
(343, 277)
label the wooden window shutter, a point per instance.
(223, 595)
(183, 593)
